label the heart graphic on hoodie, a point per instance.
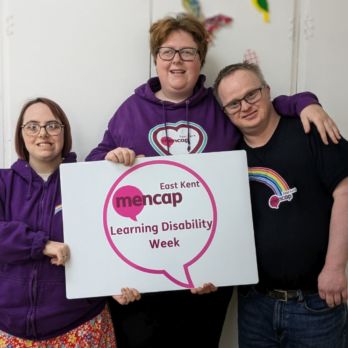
(172, 138)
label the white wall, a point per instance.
(2, 135)
(324, 55)
(272, 43)
(78, 53)
(85, 56)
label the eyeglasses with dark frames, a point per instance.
(251, 97)
(187, 54)
(33, 128)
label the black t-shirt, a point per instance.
(292, 179)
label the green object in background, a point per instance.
(262, 6)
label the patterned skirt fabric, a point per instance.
(96, 333)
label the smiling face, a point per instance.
(178, 78)
(45, 151)
(250, 117)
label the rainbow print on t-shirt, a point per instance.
(281, 190)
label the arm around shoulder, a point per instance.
(292, 105)
(306, 106)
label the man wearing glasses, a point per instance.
(299, 193)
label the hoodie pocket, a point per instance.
(55, 313)
(14, 305)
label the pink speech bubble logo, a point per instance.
(127, 201)
(181, 271)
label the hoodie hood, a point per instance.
(23, 169)
(147, 91)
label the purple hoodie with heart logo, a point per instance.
(33, 304)
(153, 127)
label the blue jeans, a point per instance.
(305, 322)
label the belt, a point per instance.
(284, 295)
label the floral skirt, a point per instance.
(97, 333)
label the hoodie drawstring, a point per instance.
(187, 102)
(188, 128)
(165, 126)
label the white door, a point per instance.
(324, 55)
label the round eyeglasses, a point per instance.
(186, 54)
(33, 128)
(252, 97)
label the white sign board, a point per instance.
(166, 223)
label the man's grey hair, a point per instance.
(229, 69)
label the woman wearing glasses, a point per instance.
(34, 310)
(175, 113)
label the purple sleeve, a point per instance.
(18, 243)
(294, 104)
(107, 144)
(99, 153)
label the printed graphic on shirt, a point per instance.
(281, 190)
(172, 138)
(57, 209)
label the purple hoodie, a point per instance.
(152, 127)
(33, 303)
